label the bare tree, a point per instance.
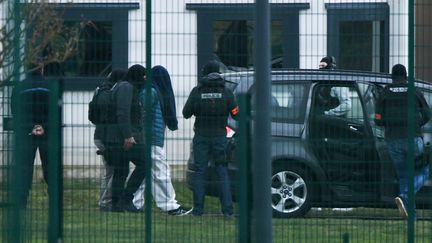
(41, 38)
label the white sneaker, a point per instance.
(401, 206)
(181, 211)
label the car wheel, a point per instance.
(291, 192)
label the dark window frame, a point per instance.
(287, 13)
(340, 12)
(118, 14)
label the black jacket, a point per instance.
(30, 102)
(211, 103)
(100, 130)
(391, 111)
(128, 114)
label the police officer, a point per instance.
(30, 110)
(211, 103)
(391, 112)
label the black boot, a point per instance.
(127, 205)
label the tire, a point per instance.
(291, 190)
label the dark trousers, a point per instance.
(26, 153)
(119, 159)
(203, 148)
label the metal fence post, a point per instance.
(55, 170)
(148, 127)
(345, 238)
(244, 176)
(411, 195)
(261, 142)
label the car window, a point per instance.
(428, 97)
(370, 93)
(356, 112)
(338, 101)
(288, 101)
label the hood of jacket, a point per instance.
(162, 83)
(213, 80)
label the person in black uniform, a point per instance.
(391, 112)
(211, 103)
(29, 105)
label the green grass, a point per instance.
(83, 222)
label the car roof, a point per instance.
(246, 78)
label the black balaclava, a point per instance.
(399, 73)
(211, 67)
(327, 62)
(135, 75)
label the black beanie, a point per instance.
(399, 72)
(211, 67)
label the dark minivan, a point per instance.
(318, 159)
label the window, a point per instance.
(356, 111)
(233, 43)
(94, 52)
(288, 102)
(103, 44)
(226, 33)
(358, 35)
(338, 101)
(360, 45)
(370, 95)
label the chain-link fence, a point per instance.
(348, 138)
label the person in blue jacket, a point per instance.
(163, 113)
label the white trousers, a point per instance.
(162, 188)
(106, 179)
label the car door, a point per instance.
(342, 141)
(388, 185)
(425, 194)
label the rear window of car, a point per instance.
(288, 102)
(288, 98)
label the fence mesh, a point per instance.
(335, 173)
